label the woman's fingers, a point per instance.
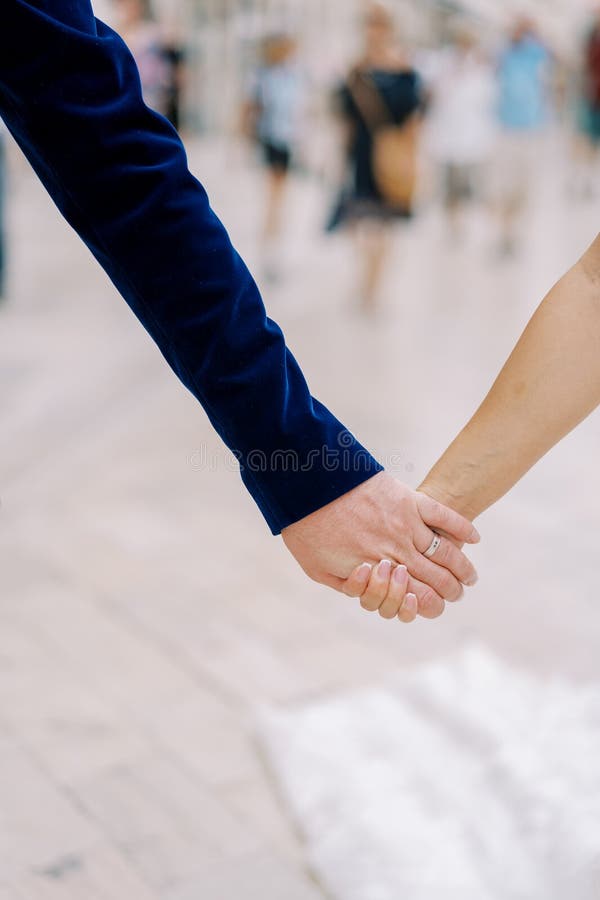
(356, 584)
(396, 593)
(378, 585)
(442, 518)
(385, 590)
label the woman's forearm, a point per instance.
(550, 383)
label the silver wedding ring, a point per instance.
(433, 547)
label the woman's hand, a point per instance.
(383, 589)
(384, 519)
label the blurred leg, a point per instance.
(276, 184)
(272, 249)
(373, 239)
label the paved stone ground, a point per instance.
(146, 612)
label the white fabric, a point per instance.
(465, 780)
(461, 125)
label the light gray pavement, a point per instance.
(146, 612)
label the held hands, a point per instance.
(370, 543)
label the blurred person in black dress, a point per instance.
(382, 93)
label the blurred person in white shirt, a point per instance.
(462, 127)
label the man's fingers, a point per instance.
(440, 579)
(441, 517)
(453, 559)
(390, 607)
(448, 556)
(409, 609)
(430, 604)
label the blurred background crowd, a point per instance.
(480, 96)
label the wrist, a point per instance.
(460, 503)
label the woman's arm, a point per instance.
(550, 383)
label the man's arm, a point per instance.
(548, 386)
(70, 94)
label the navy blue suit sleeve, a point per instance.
(71, 96)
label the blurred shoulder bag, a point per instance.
(395, 147)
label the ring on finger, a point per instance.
(433, 547)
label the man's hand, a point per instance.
(383, 519)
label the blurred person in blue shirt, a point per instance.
(524, 111)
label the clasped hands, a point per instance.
(370, 543)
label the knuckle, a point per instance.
(453, 590)
(430, 605)
(315, 575)
(444, 553)
(440, 512)
(436, 611)
(446, 583)
(427, 600)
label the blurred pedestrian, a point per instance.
(523, 110)
(588, 111)
(175, 55)
(2, 210)
(381, 102)
(274, 115)
(145, 38)
(461, 123)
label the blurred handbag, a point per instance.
(395, 147)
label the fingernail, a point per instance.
(364, 570)
(475, 536)
(472, 581)
(384, 568)
(399, 574)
